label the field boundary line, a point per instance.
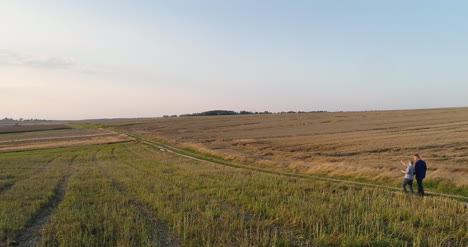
(46, 148)
(178, 152)
(16, 141)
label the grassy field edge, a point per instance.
(460, 194)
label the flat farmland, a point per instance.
(18, 128)
(357, 145)
(49, 137)
(129, 191)
(129, 194)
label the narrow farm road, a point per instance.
(182, 153)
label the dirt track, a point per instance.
(31, 235)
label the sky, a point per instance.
(88, 59)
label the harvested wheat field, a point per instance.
(43, 137)
(359, 145)
(19, 128)
(130, 194)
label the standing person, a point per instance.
(409, 176)
(420, 172)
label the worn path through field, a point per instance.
(165, 148)
(182, 153)
(32, 234)
(161, 234)
(225, 206)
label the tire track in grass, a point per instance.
(6, 187)
(41, 169)
(272, 227)
(113, 153)
(169, 149)
(204, 158)
(211, 160)
(31, 235)
(95, 156)
(48, 163)
(161, 234)
(134, 154)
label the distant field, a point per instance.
(360, 145)
(31, 138)
(13, 128)
(128, 194)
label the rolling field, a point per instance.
(364, 146)
(88, 186)
(128, 194)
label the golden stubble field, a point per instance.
(133, 193)
(358, 144)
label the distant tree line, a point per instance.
(227, 112)
(7, 119)
(222, 113)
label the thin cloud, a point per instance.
(10, 58)
(48, 62)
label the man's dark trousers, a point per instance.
(420, 173)
(420, 186)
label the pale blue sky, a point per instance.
(96, 59)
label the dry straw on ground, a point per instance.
(57, 138)
(358, 144)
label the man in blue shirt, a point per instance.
(420, 172)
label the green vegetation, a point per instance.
(433, 185)
(446, 187)
(95, 212)
(365, 146)
(29, 192)
(12, 170)
(130, 195)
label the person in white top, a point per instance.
(409, 176)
